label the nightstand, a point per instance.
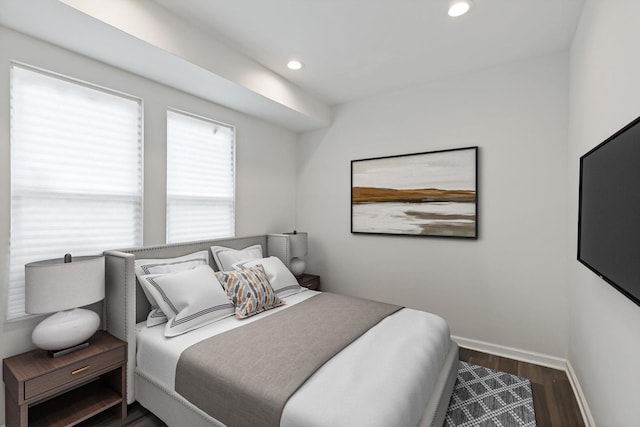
(45, 391)
(309, 281)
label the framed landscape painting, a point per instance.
(423, 194)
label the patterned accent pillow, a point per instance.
(250, 290)
(281, 279)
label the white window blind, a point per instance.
(76, 172)
(200, 178)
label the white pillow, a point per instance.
(190, 299)
(171, 265)
(281, 279)
(155, 316)
(155, 266)
(226, 257)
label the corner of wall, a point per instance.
(538, 359)
(580, 397)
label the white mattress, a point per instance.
(383, 378)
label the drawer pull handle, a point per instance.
(77, 371)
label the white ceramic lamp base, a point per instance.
(65, 329)
(297, 266)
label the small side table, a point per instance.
(43, 391)
(309, 281)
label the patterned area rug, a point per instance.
(487, 398)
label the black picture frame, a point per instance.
(427, 194)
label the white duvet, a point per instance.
(384, 378)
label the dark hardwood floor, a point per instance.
(553, 398)
(137, 416)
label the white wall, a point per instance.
(265, 186)
(604, 339)
(507, 288)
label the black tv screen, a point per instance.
(609, 215)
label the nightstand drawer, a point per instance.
(76, 371)
(309, 281)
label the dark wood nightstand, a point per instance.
(309, 281)
(43, 391)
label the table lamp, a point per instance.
(61, 285)
(290, 248)
(298, 249)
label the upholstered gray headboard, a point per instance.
(125, 304)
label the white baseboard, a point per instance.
(513, 353)
(580, 397)
(537, 359)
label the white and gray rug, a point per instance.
(487, 398)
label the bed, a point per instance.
(385, 374)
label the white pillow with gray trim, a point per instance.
(281, 279)
(157, 266)
(226, 257)
(190, 299)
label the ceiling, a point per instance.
(234, 52)
(354, 49)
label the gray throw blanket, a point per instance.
(245, 376)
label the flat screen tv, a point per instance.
(609, 216)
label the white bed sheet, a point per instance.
(383, 378)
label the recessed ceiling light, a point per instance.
(459, 7)
(295, 65)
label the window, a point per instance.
(200, 178)
(76, 172)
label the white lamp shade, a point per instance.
(54, 285)
(289, 247)
(297, 244)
